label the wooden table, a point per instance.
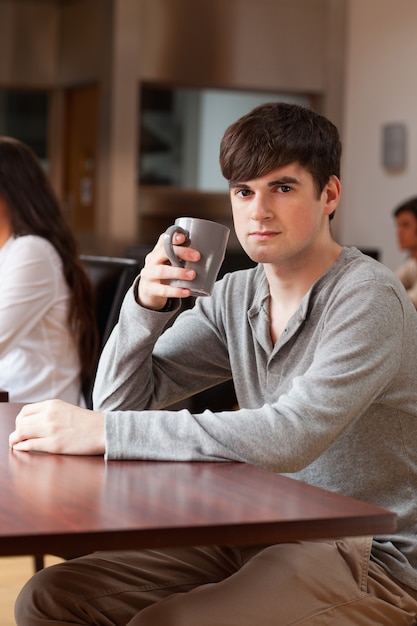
(69, 504)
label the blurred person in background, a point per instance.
(405, 216)
(47, 326)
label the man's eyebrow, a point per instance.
(234, 183)
(284, 180)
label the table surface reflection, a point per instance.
(55, 504)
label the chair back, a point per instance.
(111, 277)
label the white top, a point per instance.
(407, 273)
(38, 356)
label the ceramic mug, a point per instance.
(210, 239)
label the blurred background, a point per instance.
(125, 102)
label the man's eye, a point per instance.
(284, 188)
(243, 193)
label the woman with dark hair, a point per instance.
(47, 326)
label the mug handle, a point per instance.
(168, 245)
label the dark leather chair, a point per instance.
(111, 277)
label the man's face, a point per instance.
(406, 225)
(279, 217)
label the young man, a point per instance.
(321, 343)
(406, 224)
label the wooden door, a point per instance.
(80, 162)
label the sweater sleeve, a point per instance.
(145, 365)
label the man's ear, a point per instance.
(332, 191)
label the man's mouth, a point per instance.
(263, 235)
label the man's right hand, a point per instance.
(154, 289)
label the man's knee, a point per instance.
(40, 597)
(26, 598)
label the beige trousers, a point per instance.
(303, 583)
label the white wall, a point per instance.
(381, 87)
(218, 110)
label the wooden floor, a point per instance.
(14, 572)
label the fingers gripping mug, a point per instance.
(210, 239)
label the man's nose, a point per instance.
(260, 208)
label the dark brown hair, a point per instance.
(409, 206)
(34, 210)
(276, 134)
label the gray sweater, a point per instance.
(333, 403)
